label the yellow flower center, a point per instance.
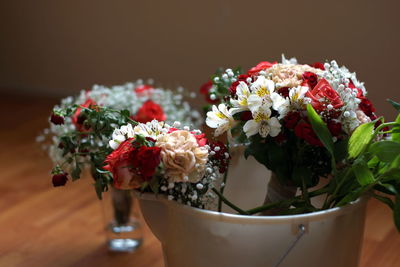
(262, 91)
(260, 117)
(220, 115)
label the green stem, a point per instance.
(287, 201)
(230, 204)
(224, 184)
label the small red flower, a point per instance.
(220, 155)
(291, 119)
(310, 78)
(284, 91)
(150, 111)
(318, 65)
(146, 161)
(143, 88)
(79, 118)
(201, 139)
(304, 131)
(261, 66)
(56, 119)
(367, 107)
(324, 92)
(335, 128)
(60, 179)
(240, 78)
(205, 90)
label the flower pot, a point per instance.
(199, 238)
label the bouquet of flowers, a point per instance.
(307, 122)
(155, 157)
(81, 126)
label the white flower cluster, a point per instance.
(121, 97)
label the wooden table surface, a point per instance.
(45, 226)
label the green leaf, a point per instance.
(394, 104)
(386, 151)
(98, 185)
(351, 196)
(320, 129)
(340, 149)
(125, 113)
(302, 174)
(396, 212)
(396, 131)
(363, 174)
(154, 185)
(372, 163)
(360, 139)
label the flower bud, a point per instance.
(56, 119)
(60, 179)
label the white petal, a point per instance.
(251, 127)
(275, 126)
(113, 144)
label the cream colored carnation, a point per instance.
(361, 117)
(289, 75)
(183, 159)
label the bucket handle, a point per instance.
(301, 232)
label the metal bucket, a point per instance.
(202, 238)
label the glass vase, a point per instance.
(123, 229)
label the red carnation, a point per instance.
(323, 91)
(150, 111)
(291, 119)
(60, 179)
(143, 88)
(318, 65)
(261, 66)
(205, 90)
(56, 119)
(79, 118)
(310, 78)
(335, 128)
(304, 131)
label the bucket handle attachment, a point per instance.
(301, 231)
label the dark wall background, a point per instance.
(59, 47)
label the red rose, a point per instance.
(310, 78)
(261, 66)
(60, 179)
(143, 88)
(335, 128)
(367, 107)
(56, 119)
(132, 166)
(291, 119)
(78, 119)
(240, 78)
(318, 65)
(146, 161)
(150, 111)
(323, 91)
(205, 90)
(304, 131)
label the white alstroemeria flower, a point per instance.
(296, 96)
(261, 91)
(263, 124)
(243, 93)
(291, 61)
(151, 129)
(220, 118)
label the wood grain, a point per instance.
(45, 226)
